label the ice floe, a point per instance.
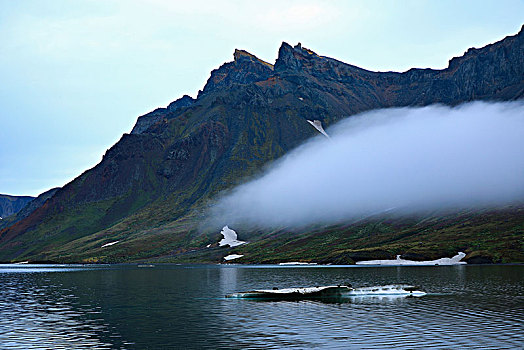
(388, 290)
(330, 292)
(230, 238)
(233, 256)
(456, 260)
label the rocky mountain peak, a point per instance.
(245, 69)
(184, 101)
(244, 57)
(294, 58)
(240, 55)
(503, 46)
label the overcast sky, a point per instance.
(76, 74)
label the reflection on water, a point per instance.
(124, 307)
(228, 278)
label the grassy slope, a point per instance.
(489, 236)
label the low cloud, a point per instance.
(401, 160)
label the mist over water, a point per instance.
(400, 160)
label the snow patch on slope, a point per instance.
(317, 124)
(109, 244)
(232, 257)
(230, 238)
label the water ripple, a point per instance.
(178, 307)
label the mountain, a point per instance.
(30, 206)
(10, 205)
(149, 191)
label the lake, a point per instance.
(183, 307)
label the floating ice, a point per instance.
(398, 261)
(230, 238)
(109, 244)
(330, 292)
(303, 291)
(388, 290)
(233, 256)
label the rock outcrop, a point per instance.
(147, 120)
(245, 69)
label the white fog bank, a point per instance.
(409, 159)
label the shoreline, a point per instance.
(272, 265)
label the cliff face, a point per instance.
(29, 207)
(10, 205)
(155, 180)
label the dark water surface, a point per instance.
(179, 307)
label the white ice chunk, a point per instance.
(388, 290)
(230, 238)
(110, 244)
(305, 290)
(398, 261)
(317, 124)
(339, 291)
(233, 256)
